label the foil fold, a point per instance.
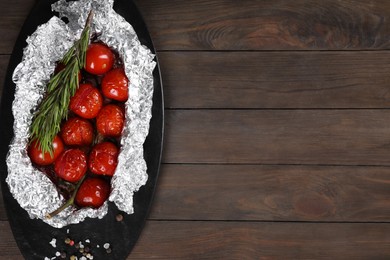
(48, 44)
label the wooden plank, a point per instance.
(12, 13)
(8, 248)
(329, 137)
(243, 240)
(3, 213)
(245, 25)
(4, 59)
(247, 240)
(267, 193)
(276, 79)
(267, 25)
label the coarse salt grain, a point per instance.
(53, 242)
(87, 241)
(58, 253)
(106, 245)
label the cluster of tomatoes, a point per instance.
(87, 145)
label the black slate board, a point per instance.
(33, 236)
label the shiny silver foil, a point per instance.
(30, 187)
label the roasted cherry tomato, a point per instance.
(115, 85)
(93, 192)
(71, 165)
(77, 131)
(100, 59)
(86, 102)
(103, 159)
(110, 120)
(39, 158)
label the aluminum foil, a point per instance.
(48, 44)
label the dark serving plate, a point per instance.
(33, 236)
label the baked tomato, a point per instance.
(115, 85)
(110, 121)
(100, 59)
(93, 192)
(40, 158)
(77, 131)
(86, 102)
(71, 165)
(103, 159)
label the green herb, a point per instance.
(69, 202)
(61, 87)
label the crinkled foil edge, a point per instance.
(30, 187)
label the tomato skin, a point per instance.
(103, 159)
(110, 121)
(100, 59)
(86, 102)
(93, 192)
(39, 158)
(77, 131)
(71, 165)
(115, 85)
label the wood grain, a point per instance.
(4, 59)
(326, 137)
(232, 240)
(276, 79)
(272, 193)
(12, 13)
(267, 25)
(248, 240)
(8, 248)
(245, 25)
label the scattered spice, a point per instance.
(53, 242)
(67, 241)
(119, 217)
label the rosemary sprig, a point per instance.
(69, 202)
(61, 87)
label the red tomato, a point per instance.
(103, 159)
(100, 59)
(110, 120)
(37, 156)
(93, 192)
(115, 85)
(71, 165)
(77, 131)
(86, 102)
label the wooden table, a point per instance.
(277, 140)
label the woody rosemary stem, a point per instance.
(69, 202)
(60, 88)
